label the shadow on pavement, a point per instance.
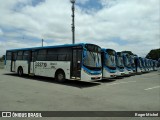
(106, 80)
(73, 83)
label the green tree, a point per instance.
(2, 58)
(154, 54)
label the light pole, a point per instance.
(42, 42)
(73, 24)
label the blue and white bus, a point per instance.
(155, 65)
(108, 63)
(75, 62)
(127, 64)
(141, 64)
(147, 64)
(151, 62)
(144, 66)
(132, 60)
(119, 64)
(138, 65)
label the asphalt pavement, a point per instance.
(135, 93)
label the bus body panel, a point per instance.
(120, 72)
(139, 70)
(49, 68)
(8, 65)
(85, 76)
(127, 71)
(68, 58)
(23, 64)
(108, 73)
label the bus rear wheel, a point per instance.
(20, 71)
(60, 76)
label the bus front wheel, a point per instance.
(60, 76)
(20, 71)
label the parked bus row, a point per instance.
(86, 62)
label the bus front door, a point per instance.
(13, 62)
(76, 64)
(31, 61)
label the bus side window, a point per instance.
(26, 55)
(34, 56)
(62, 57)
(52, 55)
(20, 55)
(60, 54)
(14, 57)
(41, 55)
(8, 57)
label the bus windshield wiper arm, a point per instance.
(93, 56)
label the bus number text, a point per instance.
(41, 64)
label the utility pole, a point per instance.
(42, 42)
(73, 21)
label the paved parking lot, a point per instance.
(1, 64)
(135, 93)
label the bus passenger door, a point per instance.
(13, 62)
(76, 63)
(31, 63)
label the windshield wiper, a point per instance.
(93, 56)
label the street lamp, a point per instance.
(73, 24)
(42, 42)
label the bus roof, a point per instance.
(105, 49)
(55, 46)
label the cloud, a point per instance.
(1, 32)
(136, 22)
(82, 1)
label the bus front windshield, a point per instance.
(132, 62)
(140, 63)
(110, 58)
(127, 63)
(146, 63)
(92, 57)
(120, 61)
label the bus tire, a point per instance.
(60, 76)
(20, 71)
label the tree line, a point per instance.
(154, 54)
(2, 58)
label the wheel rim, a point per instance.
(20, 72)
(60, 77)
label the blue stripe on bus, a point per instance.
(121, 70)
(91, 71)
(129, 68)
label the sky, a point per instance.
(132, 25)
